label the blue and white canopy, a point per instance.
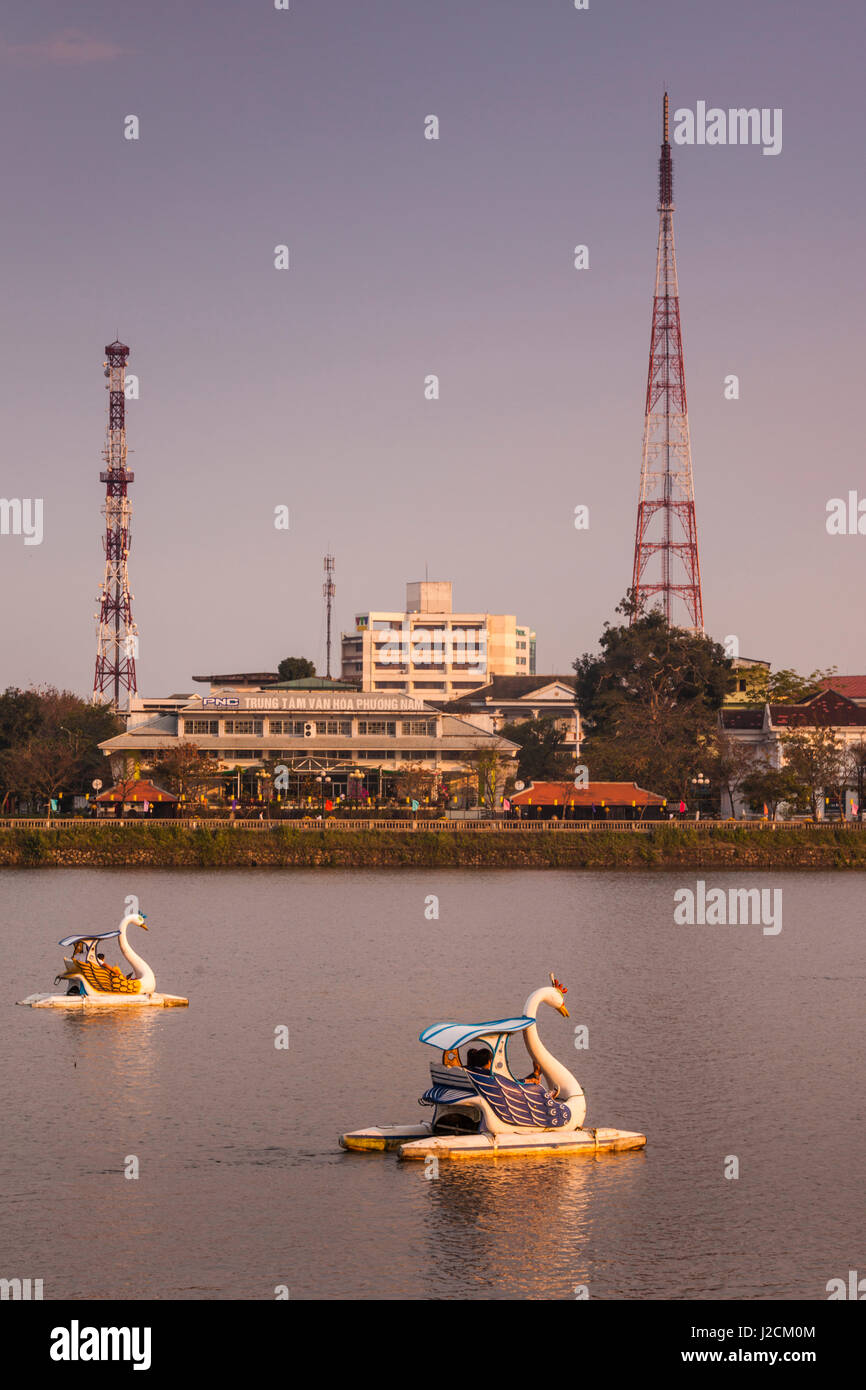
(447, 1036)
(88, 936)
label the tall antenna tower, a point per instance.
(666, 539)
(328, 589)
(117, 638)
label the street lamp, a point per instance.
(701, 785)
(322, 779)
(355, 780)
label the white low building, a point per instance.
(314, 728)
(762, 729)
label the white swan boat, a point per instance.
(481, 1110)
(92, 982)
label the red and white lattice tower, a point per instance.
(666, 567)
(117, 640)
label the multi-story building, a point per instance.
(429, 650)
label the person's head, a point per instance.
(100, 957)
(479, 1058)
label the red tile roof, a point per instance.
(590, 794)
(852, 686)
(142, 790)
(825, 710)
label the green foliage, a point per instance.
(649, 703)
(20, 716)
(542, 756)
(295, 668)
(183, 770)
(814, 760)
(769, 786)
(49, 742)
(785, 687)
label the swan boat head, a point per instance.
(478, 1088)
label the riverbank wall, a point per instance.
(662, 847)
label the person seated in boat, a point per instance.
(534, 1077)
(112, 969)
(479, 1059)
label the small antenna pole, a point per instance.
(328, 589)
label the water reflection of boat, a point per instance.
(92, 981)
(481, 1110)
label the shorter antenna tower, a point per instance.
(328, 589)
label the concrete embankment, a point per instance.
(174, 846)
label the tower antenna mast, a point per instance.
(328, 589)
(117, 635)
(666, 564)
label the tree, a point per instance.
(42, 768)
(783, 687)
(184, 769)
(123, 785)
(769, 786)
(20, 717)
(414, 782)
(50, 741)
(487, 767)
(731, 762)
(649, 702)
(295, 668)
(816, 760)
(542, 754)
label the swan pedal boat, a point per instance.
(105, 986)
(481, 1110)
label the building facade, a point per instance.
(429, 650)
(515, 699)
(761, 730)
(353, 740)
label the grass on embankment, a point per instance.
(173, 846)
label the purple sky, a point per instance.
(410, 257)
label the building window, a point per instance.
(201, 726)
(245, 726)
(377, 727)
(425, 727)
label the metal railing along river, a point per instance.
(474, 826)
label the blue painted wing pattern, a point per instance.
(517, 1104)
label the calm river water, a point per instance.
(714, 1041)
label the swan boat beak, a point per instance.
(562, 1010)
